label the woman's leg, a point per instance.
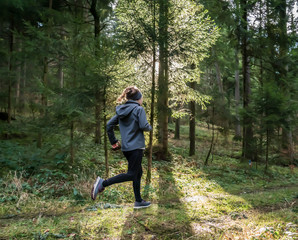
(134, 172)
(137, 186)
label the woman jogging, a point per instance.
(132, 121)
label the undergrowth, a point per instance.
(225, 200)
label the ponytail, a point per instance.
(121, 98)
(129, 93)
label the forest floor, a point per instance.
(225, 200)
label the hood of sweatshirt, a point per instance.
(125, 109)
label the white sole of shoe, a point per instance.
(94, 187)
(142, 207)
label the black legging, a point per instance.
(134, 172)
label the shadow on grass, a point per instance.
(167, 219)
(259, 190)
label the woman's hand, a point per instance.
(116, 146)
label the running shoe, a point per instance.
(97, 188)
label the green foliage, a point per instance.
(271, 102)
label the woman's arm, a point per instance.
(143, 123)
(110, 129)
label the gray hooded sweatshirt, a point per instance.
(132, 121)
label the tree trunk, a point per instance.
(18, 78)
(267, 149)
(218, 74)
(166, 83)
(291, 147)
(260, 150)
(192, 125)
(23, 85)
(39, 139)
(98, 107)
(247, 144)
(72, 142)
(287, 140)
(212, 139)
(163, 77)
(44, 99)
(149, 170)
(105, 132)
(60, 73)
(218, 77)
(98, 110)
(177, 128)
(11, 43)
(237, 97)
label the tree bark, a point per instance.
(287, 140)
(237, 97)
(267, 149)
(218, 74)
(212, 139)
(149, 170)
(18, 78)
(105, 133)
(162, 101)
(44, 99)
(177, 128)
(98, 107)
(61, 73)
(72, 142)
(23, 85)
(192, 125)
(11, 45)
(39, 140)
(247, 144)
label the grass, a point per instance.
(226, 200)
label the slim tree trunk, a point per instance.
(218, 77)
(260, 150)
(237, 97)
(267, 149)
(192, 125)
(162, 100)
(39, 139)
(291, 147)
(98, 93)
(105, 132)
(18, 85)
(218, 74)
(177, 128)
(23, 85)
(166, 83)
(11, 43)
(61, 73)
(44, 99)
(247, 146)
(72, 142)
(98, 110)
(287, 140)
(149, 170)
(212, 139)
